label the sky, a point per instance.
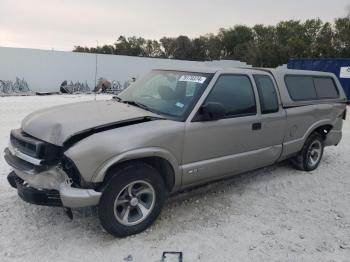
(63, 24)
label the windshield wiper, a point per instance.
(134, 103)
(137, 104)
(118, 98)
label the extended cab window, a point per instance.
(267, 94)
(325, 88)
(301, 87)
(235, 93)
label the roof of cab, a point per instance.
(277, 74)
(207, 70)
(212, 70)
(280, 72)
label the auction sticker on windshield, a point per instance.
(192, 78)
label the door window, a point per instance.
(235, 93)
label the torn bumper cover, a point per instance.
(49, 186)
(32, 195)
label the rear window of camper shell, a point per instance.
(306, 87)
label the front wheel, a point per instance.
(310, 156)
(132, 200)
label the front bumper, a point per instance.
(32, 195)
(47, 185)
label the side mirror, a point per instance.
(211, 111)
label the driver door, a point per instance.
(214, 149)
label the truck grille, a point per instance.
(34, 147)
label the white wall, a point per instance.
(45, 70)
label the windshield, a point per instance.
(170, 93)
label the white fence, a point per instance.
(45, 70)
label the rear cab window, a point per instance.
(267, 94)
(304, 88)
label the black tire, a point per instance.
(302, 160)
(128, 174)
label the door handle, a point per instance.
(256, 126)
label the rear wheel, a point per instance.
(132, 200)
(310, 156)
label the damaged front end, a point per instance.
(44, 176)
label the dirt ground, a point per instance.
(272, 214)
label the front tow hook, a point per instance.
(11, 178)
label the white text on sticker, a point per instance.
(191, 78)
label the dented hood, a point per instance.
(57, 124)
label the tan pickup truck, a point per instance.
(171, 130)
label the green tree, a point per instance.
(324, 46)
(235, 41)
(312, 28)
(183, 48)
(213, 47)
(81, 49)
(132, 46)
(107, 49)
(260, 45)
(199, 49)
(153, 49)
(342, 36)
(290, 40)
(263, 50)
(168, 45)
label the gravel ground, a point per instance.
(271, 214)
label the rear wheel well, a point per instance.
(323, 130)
(160, 164)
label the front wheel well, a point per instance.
(162, 165)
